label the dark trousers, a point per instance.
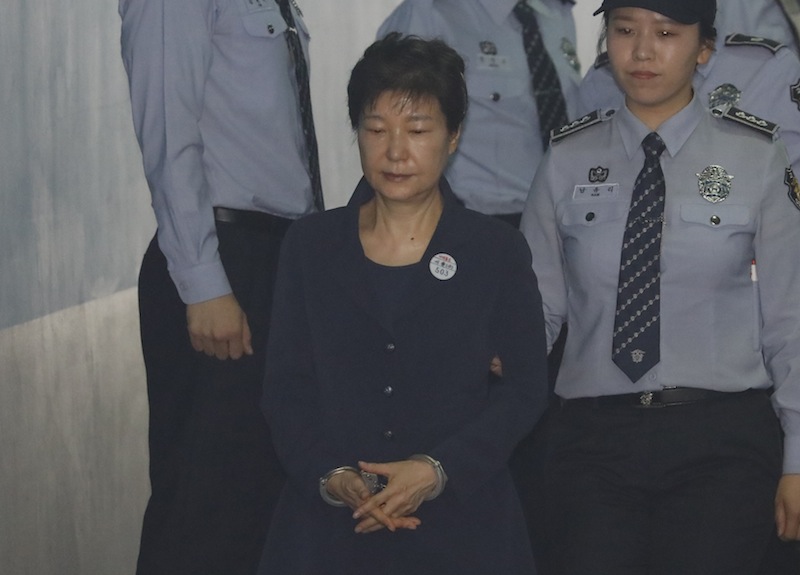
(215, 478)
(677, 490)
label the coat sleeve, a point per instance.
(481, 448)
(291, 398)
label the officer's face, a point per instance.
(404, 146)
(654, 60)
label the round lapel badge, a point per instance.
(443, 266)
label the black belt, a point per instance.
(262, 221)
(663, 398)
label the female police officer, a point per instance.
(666, 237)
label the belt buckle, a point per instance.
(646, 399)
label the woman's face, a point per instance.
(404, 146)
(654, 59)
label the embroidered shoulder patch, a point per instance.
(601, 61)
(582, 123)
(794, 187)
(747, 119)
(747, 40)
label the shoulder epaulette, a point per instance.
(747, 119)
(582, 123)
(601, 61)
(746, 40)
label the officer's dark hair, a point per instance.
(414, 68)
(708, 34)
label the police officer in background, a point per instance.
(746, 70)
(219, 91)
(665, 235)
(522, 77)
(774, 19)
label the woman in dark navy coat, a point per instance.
(387, 315)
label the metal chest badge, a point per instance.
(571, 54)
(794, 92)
(488, 48)
(724, 97)
(714, 183)
(794, 187)
(598, 174)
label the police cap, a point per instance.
(683, 11)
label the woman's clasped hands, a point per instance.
(408, 483)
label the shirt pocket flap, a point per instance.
(262, 19)
(716, 215)
(593, 213)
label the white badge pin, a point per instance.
(443, 266)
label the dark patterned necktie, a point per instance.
(637, 325)
(550, 103)
(304, 100)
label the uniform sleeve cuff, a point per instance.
(791, 454)
(201, 283)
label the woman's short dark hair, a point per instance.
(413, 67)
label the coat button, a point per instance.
(388, 391)
(590, 216)
(495, 96)
(715, 221)
(389, 347)
(388, 435)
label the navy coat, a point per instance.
(342, 386)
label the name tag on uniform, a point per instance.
(595, 192)
(492, 62)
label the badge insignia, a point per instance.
(571, 54)
(598, 174)
(714, 183)
(723, 98)
(443, 266)
(637, 356)
(794, 92)
(488, 48)
(794, 187)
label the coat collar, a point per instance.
(349, 265)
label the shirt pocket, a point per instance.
(591, 234)
(726, 233)
(716, 216)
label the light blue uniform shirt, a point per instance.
(763, 76)
(722, 327)
(763, 18)
(500, 144)
(215, 111)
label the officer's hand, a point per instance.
(218, 327)
(787, 507)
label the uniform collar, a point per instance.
(500, 10)
(674, 131)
